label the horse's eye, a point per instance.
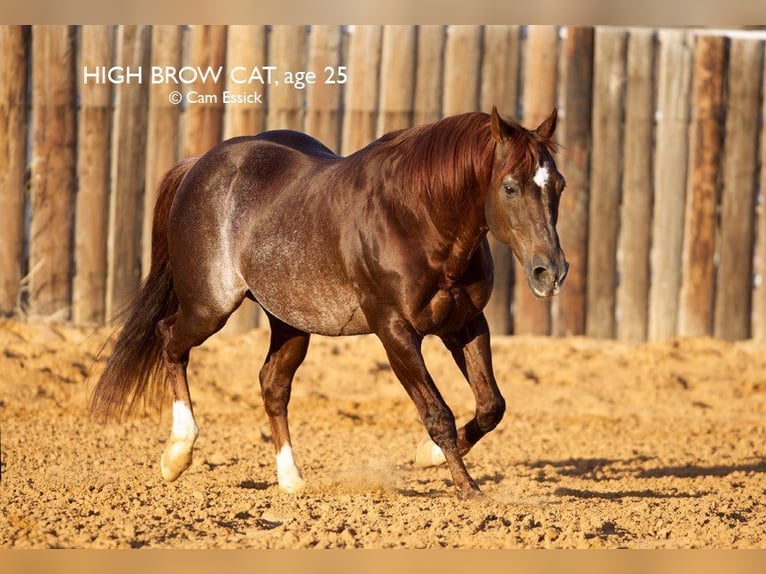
(510, 188)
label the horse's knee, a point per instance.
(489, 415)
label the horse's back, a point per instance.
(298, 141)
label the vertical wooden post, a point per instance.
(323, 100)
(288, 51)
(568, 309)
(530, 314)
(128, 170)
(462, 61)
(606, 171)
(500, 87)
(735, 272)
(759, 260)
(669, 181)
(500, 69)
(53, 171)
(13, 122)
(246, 47)
(92, 205)
(429, 74)
(636, 210)
(397, 70)
(695, 313)
(360, 115)
(162, 129)
(204, 120)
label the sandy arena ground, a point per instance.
(603, 445)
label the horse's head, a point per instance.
(523, 201)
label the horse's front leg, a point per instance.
(471, 350)
(403, 347)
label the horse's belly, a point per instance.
(336, 316)
(317, 305)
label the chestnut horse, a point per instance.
(390, 240)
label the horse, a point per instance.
(390, 240)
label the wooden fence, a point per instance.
(663, 219)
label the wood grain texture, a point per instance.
(14, 51)
(323, 100)
(759, 259)
(634, 239)
(204, 119)
(52, 186)
(128, 171)
(462, 64)
(574, 132)
(397, 72)
(360, 114)
(695, 314)
(673, 88)
(287, 45)
(734, 278)
(429, 74)
(93, 168)
(605, 180)
(163, 133)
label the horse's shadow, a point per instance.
(694, 471)
(600, 469)
(620, 494)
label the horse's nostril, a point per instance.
(538, 272)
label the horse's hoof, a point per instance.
(428, 454)
(292, 486)
(473, 494)
(176, 458)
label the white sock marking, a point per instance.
(288, 475)
(184, 427)
(541, 177)
(429, 454)
(177, 456)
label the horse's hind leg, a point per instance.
(181, 331)
(471, 351)
(287, 350)
(177, 456)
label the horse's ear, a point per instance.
(497, 124)
(545, 130)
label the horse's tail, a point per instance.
(134, 371)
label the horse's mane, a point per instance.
(450, 159)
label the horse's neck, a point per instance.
(459, 229)
(444, 175)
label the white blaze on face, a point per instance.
(541, 177)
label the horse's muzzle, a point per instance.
(546, 277)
